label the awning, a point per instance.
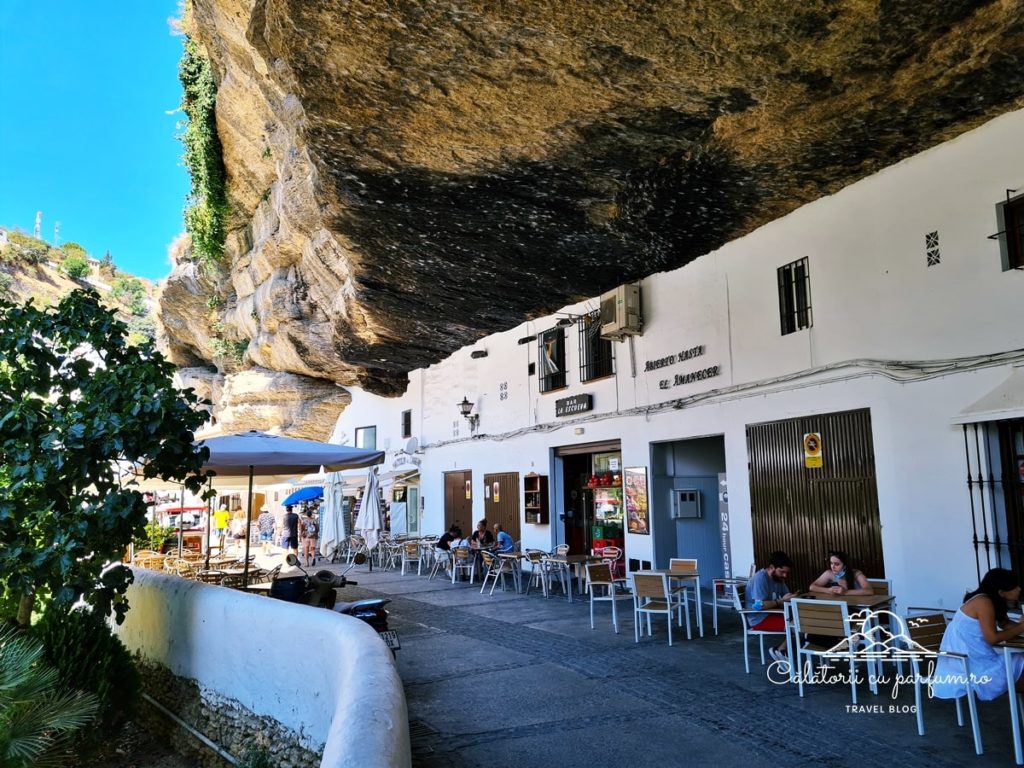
(1004, 402)
(398, 477)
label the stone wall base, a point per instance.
(222, 720)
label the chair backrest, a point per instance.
(599, 573)
(927, 629)
(881, 586)
(487, 557)
(610, 553)
(412, 550)
(684, 565)
(650, 585)
(739, 594)
(535, 556)
(562, 549)
(821, 617)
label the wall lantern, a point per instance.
(465, 408)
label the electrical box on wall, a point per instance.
(685, 504)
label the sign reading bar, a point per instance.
(567, 406)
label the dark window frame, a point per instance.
(597, 355)
(794, 282)
(1010, 217)
(407, 423)
(360, 431)
(551, 360)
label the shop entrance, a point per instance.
(593, 513)
(458, 500)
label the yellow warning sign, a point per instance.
(812, 450)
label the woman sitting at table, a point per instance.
(841, 578)
(482, 538)
(980, 624)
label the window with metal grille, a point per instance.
(551, 359)
(366, 437)
(795, 297)
(1010, 217)
(406, 423)
(596, 359)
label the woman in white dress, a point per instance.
(980, 624)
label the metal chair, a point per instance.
(739, 594)
(463, 562)
(411, 554)
(538, 571)
(689, 565)
(601, 579)
(651, 594)
(497, 567)
(722, 584)
(442, 559)
(827, 619)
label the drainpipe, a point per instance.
(224, 754)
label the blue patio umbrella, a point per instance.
(308, 493)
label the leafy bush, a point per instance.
(26, 249)
(88, 657)
(206, 215)
(140, 329)
(76, 266)
(37, 717)
(74, 249)
(6, 286)
(131, 293)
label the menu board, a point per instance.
(635, 481)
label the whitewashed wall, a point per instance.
(256, 651)
(873, 298)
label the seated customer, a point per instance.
(482, 538)
(980, 624)
(505, 542)
(767, 589)
(841, 578)
(445, 542)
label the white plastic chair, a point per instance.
(738, 597)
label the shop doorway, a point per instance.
(458, 499)
(592, 514)
(685, 503)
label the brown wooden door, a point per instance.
(506, 509)
(458, 500)
(807, 511)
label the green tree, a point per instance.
(107, 267)
(76, 266)
(75, 399)
(36, 718)
(131, 293)
(74, 249)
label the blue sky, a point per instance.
(85, 134)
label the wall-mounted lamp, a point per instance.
(526, 339)
(476, 354)
(565, 322)
(465, 408)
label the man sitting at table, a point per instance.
(767, 589)
(505, 543)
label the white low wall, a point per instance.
(325, 676)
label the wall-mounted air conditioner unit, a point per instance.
(620, 312)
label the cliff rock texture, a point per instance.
(409, 176)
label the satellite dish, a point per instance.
(412, 446)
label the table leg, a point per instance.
(700, 609)
(1014, 713)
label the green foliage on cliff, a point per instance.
(207, 212)
(76, 266)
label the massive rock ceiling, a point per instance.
(410, 176)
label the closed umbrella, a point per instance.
(370, 521)
(332, 522)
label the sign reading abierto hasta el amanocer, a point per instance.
(568, 406)
(682, 378)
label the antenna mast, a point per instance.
(39, 224)
(56, 234)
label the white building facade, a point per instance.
(848, 376)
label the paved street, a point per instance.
(513, 680)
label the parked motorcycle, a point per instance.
(319, 588)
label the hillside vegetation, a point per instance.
(33, 269)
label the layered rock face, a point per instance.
(410, 176)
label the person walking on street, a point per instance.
(310, 534)
(291, 531)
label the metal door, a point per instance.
(458, 499)
(700, 537)
(505, 508)
(805, 511)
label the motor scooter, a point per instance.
(319, 590)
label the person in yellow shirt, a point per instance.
(221, 518)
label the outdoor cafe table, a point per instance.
(677, 575)
(579, 566)
(1009, 648)
(871, 602)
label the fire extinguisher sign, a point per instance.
(812, 450)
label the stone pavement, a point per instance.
(514, 680)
